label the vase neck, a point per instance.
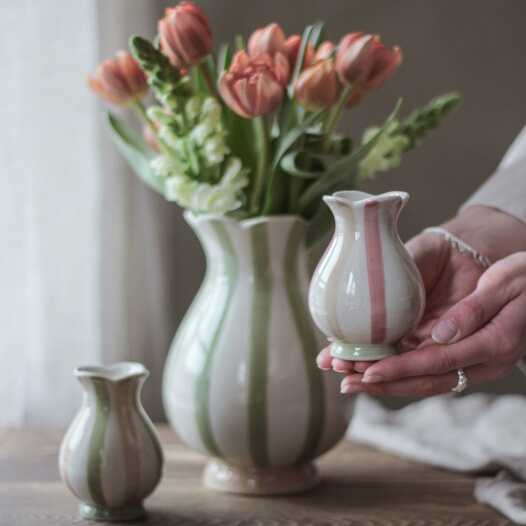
(355, 212)
(255, 246)
(116, 386)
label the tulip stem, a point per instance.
(139, 108)
(334, 117)
(261, 130)
(203, 66)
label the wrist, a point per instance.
(491, 232)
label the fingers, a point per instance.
(326, 362)
(324, 359)
(420, 385)
(471, 313)
(429, 360)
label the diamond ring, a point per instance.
(462, 381)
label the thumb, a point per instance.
(470, 313)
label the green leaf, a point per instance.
(239, 42)
(275, 184)
(302, 164)
(318, 34)
(301, 59)
(224, 58)
(134, 149)
(338, 171)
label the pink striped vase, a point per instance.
(366, 292)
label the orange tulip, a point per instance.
(317, 87)
(269, 39)
(185, 35)
(120, 80)
(364, 62)
(324, 50)
(254, 86)
(292, 49)
(386, 62)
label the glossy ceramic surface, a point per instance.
(366, 292)
(241, 382)
(111, 457)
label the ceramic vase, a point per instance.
(366, 292)
(241, 383)
(111, 457)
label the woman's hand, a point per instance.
(473, 320)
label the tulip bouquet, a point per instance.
(252, 131)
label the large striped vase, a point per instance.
(241, 383)
(366, 292)
(111, 457)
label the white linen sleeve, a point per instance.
(505, 190)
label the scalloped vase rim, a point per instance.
(115, 372)
(355, 198)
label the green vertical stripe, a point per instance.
(96, 441)
(202, 393)
(148, 425)
(258, 359)
(316, 388)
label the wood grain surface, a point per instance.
(361, 487)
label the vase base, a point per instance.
(221, 476)
(103, 513)
(361, 353)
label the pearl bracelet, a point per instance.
(460, 245)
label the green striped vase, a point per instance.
(111, 457)
(241, 383)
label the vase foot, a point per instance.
(103, 513)
(222, 476)
(361, 353)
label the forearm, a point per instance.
(492, 232)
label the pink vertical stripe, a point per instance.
(375, 271)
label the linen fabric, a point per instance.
(481, 433)
(505, 190)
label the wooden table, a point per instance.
(361, 487)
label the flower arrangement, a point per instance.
(252, 131)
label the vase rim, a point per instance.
(115, 372)
(245, 223)
(358, 198)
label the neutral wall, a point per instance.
(473, 47)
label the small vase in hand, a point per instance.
(366, 292)
(111, 457)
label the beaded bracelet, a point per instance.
(460, 245)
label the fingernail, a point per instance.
(339, 370)
(444, 331)
(352, 388)
(372, 378)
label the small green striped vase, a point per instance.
(111, 457)
(241, 383)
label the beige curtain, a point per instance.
(89, 256)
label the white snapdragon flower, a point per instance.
(193, 107)
(200, 133)
(164, 166)
(386, 153)
(215, 148)
(219, 198)
(158, 114)
(211, 111)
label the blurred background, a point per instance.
(95, 267)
